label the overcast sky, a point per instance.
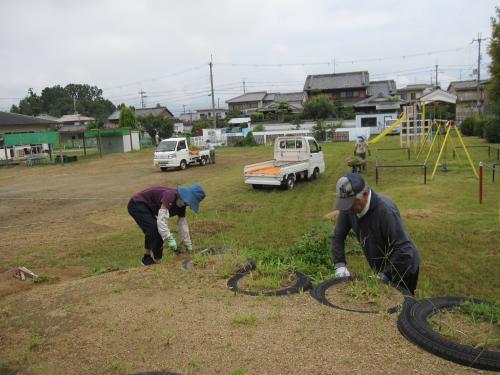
(163, 47)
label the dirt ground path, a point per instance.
(166, 318)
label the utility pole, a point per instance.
(334, 65)
(244, 88)
(74, 104)
(437, 76)
(212, 88)
(142, 93)
(478, 40)
(184, 108)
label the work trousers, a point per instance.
(408, 281)
(147, 222)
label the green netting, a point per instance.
(31, 138)
(106, 133)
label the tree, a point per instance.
(257, 117)
(127, 118)
(152, 124)
(57, 101)
(203, 123)
(492, 129)
(319, 107)
(282, 109)
(494, 52)
(259, 128)
(320, 130)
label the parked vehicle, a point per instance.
(294, 158)
(175, 153)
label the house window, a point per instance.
(350, 94)
(413, 96)
(368, 122)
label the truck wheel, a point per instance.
(289, 183)
(203, 161)
(163, 169)
(314, 175)
(183, 165)
(257, 187)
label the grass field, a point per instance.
(69, 222)
(459, 239)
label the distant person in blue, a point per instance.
(152, 208)
(376, 221)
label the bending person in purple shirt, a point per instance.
(151, 210)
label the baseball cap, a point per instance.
(348, 186)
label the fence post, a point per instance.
(376, 175)
(480, 182)
(425, 174)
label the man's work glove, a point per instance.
(341, 270)
(172, 244)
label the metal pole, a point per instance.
(213, 98)
(99, 142)
(480, 182)
(61, 159)
(376, 175)
(425, 175)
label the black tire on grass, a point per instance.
(319, 294)
(302, 283)
(414, 326)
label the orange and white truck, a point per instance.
(295, 157)
(175, 153)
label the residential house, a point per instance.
(72, 127)
(411, 93)
(294, 100)
(347, 88)
(114, 118)
(263, 101)
(469, 102)
(16, 123)
(247, 103)
(381, 99)
(208, 113)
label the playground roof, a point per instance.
(439, 95)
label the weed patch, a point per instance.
(245, 319)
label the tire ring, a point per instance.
(414, 326)
(302, 283)
(318, 293)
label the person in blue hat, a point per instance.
(378, 226)
(152, 208)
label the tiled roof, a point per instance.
(248, 97)
(75, 118)
(467, 85)
(337, 81)
(287, 96)
(386, 88)
(7, 118)
(415, 87)
(155, 111)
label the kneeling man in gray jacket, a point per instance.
(376, 221)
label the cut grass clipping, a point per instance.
(223, 265)
(268, 278)
(472, 324)
(364, 293)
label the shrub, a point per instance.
(249, 140)
(257, 117)
(467, 126)
(492, 130)
(479, 126)
(259, 128)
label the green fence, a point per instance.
(36, 138)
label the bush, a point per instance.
(479, 126)
(257, 117)
(492, 130)
(467, 126)
(249, 140)
(259, 128)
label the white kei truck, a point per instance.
(175, 153)
(295, 158)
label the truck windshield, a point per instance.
(167, 146)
